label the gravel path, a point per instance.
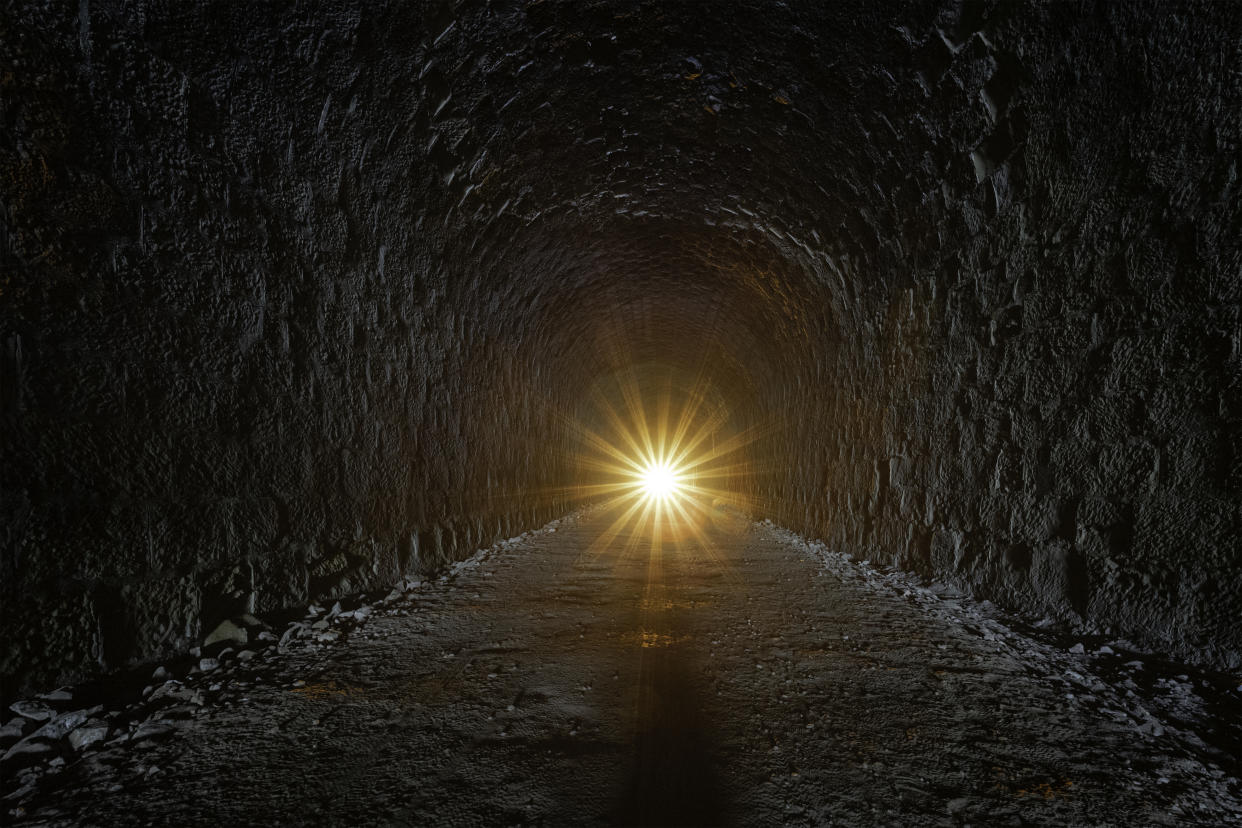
(759, 680)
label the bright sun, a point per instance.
(660, 480)
(665, 465)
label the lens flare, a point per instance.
(668, 463)
(660, 480)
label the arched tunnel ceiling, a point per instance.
(650, 293)
(310, 296)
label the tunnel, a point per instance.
(320, 320)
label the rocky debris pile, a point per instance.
(1145, 692)
(320, 628)
(91, 727)
(92, 730)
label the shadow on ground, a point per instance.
(673, 778)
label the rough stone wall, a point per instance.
(1050, 410)
(298, 297)
(242, 368)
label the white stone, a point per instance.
(153, 729)
(12, 732)
(61, 694)
(32, 709)
(295, 627)
(59, 727)
(227, 631)
(88, 734)
(28, 750)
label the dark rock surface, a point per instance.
(754, 680)
(297, 299)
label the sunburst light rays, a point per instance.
(664, 460)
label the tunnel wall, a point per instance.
(242, 366)
(296, 297)
(1045, 404)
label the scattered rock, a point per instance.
(160, 674)
(1077, 649)
(179, 712)
(13, 731)
(296, 627)
(88, 733)
(32, 709)
(175, 691)
(206, 665)
(27, 752)
(153, 729)
(228, 632)
(60, 727)
(58, 696)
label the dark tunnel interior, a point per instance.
(298, 300)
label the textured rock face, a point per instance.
(297, 299)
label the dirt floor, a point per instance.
(556, 679)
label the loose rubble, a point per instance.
(46, 735)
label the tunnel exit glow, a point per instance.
(660, 480)
(665, 462)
